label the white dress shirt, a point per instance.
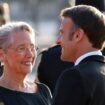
(98, 52)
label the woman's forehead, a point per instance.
(22, 37)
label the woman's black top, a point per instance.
(10, 97)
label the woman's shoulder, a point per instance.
(44, 89)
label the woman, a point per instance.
(18, 53)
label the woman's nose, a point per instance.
(30, 52)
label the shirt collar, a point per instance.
(98, 52)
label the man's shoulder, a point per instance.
(70, 73)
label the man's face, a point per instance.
(67, 39)
(20, 56)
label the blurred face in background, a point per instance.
(67, 39)
(19, 57)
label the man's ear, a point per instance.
(79, 35)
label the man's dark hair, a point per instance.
(91, 20)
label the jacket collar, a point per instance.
(97, 58)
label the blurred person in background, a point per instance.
(4, 18)
(82, 36)
(50, 66)
(18, 54)
(4, 13)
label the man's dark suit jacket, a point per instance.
(83, 84)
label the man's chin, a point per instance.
(63, 58)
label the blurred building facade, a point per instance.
(43, 15)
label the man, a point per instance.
(51, 66)
(82, 35)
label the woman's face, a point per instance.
(20, 56)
